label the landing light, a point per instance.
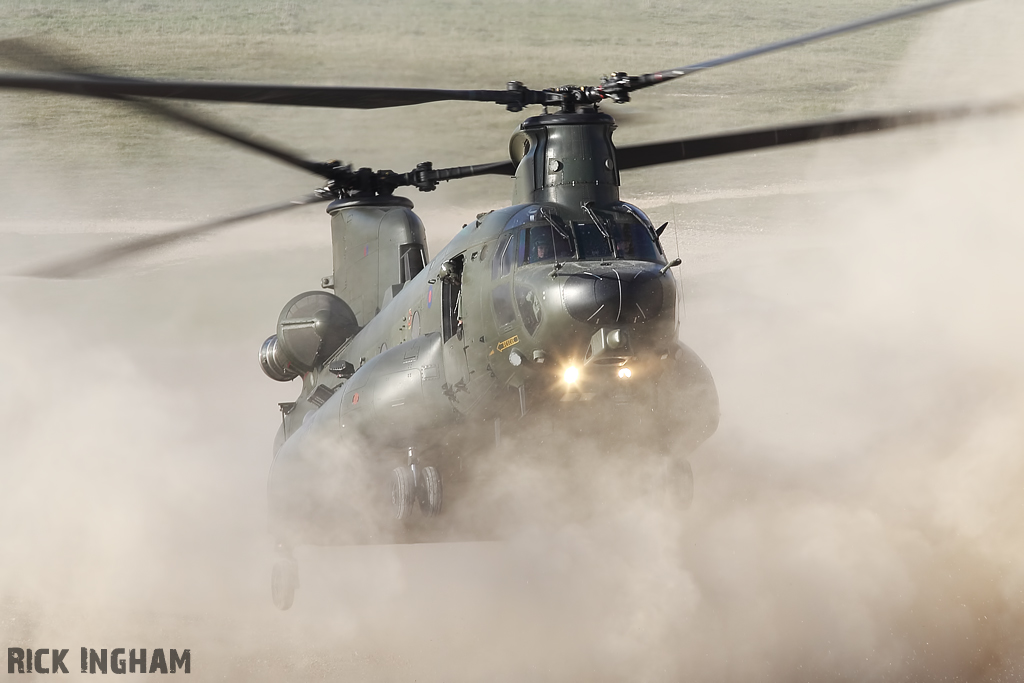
(571, 375)
(625, 373)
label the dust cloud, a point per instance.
(858, 516)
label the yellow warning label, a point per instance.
(508, 342)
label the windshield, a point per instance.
(623, 233)
(619, 232)
(542, 243)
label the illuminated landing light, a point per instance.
(625, 373)
(571, 374)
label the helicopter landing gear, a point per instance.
(428, 491)
(415, 483)
(403, 492)
(674, 484)
(284, 580)
(682, 472)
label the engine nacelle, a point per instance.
(273, 362)
(310, 328)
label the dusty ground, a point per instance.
(857, 515)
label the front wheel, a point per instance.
(673, 484)
(403, 492)
(284, 579)
(430, 491)
(681, 473)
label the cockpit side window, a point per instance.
(501, 295)
(501, 263)
(633, 241)
(642, 217)
(410, 261)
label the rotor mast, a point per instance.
(565, 158)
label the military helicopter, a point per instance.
(560, 308)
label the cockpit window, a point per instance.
(501, 264)
(530, 214)
(542, 244)
(633, 241)
(592, 242)
(410, 261)
(623, 233)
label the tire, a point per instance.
(403, 493)
(681, 479)
(430, 491)
(673, 484)
(284, 579)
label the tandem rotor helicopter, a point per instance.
(560, 308)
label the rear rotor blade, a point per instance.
(638, 156)
(31, 54)
(341, 97)
(222, 131)
(663, 76)
(80, 265)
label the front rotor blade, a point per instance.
(80, 265)
(662, 76)
(340, 97)
(31, 54)
(638, 156)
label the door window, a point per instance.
(501, 264)
(410, 261)
(451, 302)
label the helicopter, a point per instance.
(560, 307)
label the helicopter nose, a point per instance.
(614, 294)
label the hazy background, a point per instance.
(857, 516)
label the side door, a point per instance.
(454, 334)
(501, 282)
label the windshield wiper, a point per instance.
(599, 222)
(560, 229)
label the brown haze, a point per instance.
(859, 515)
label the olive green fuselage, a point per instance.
(567, 284)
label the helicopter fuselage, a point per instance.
(561, 307)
